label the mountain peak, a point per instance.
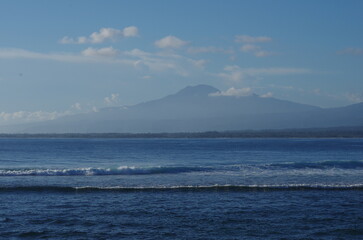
(198, 90)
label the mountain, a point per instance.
(197, 109)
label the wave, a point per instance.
(99, 171)
(131, 170)
(221, 188)
(320, 165)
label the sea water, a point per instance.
(181, 188)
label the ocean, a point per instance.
(181, 188)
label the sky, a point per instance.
(66, 57)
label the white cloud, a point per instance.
(250, 39)
(98, 56)
(141, 60)
(255, 50)
(66, 40)
(137, 53)
(105, 34)
(20, 117)
(354, 97)
(267, 95)
(131, 31)
(170, 42)
(26, 116)
(164, 62)
(249, 48)
(198, 63)
(113, 99)
(102, 35)
(76, 106)
(249, 45)
(82, 40)
(236, 92)
(351, 51)
(12, 53)
(154, 62)
(236, 73)
(103, 52)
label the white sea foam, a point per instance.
(123, 170)
(327, 168)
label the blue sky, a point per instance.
(66, 57)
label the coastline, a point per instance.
(337, 132)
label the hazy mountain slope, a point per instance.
(193, 109)
(195, 102)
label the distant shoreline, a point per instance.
(339, 132)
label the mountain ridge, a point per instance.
(194, 109)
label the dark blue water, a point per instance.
(181, 188)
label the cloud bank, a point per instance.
(112, 100)
(26, 116)
(236, 92)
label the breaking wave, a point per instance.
(99, 171)
(130, 170)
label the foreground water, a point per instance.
(181, 188)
